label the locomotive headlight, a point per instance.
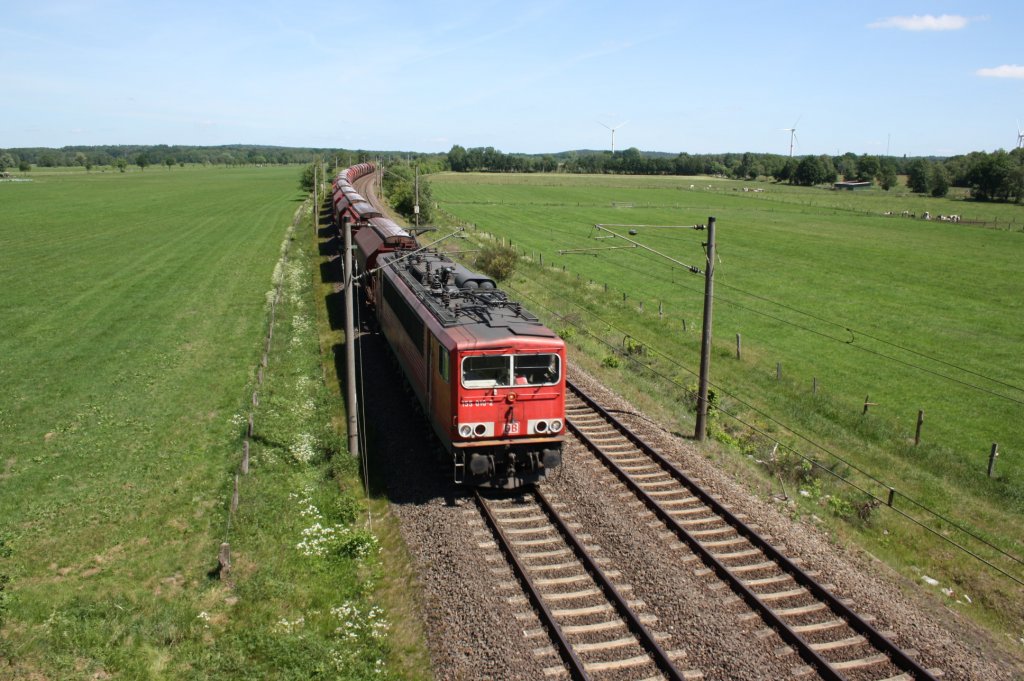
(544, 426)
(474, 430)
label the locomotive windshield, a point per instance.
(505, 371)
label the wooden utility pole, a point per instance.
(705, 343)
(350, 349)
(416, 206)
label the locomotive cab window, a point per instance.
(504, 371)
(535, 369)
(486, 371)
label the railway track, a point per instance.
(833, 641)
(596, 630)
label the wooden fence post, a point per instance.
(993, 455)
(224, 559)
(739, 346)
(920, 422)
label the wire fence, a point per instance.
(224, 553)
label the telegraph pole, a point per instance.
(705, 341)
(350, 349)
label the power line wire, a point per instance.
(855, 332)
(798, 434)
(848, 342)
(867, 335)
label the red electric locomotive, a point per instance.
(489, 375)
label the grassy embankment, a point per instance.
(934, 316)
(135, 311)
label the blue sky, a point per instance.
(915, 78)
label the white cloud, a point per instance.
(1004, 71)
(925, 22)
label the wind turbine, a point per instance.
(613, 132)
(1020, 137)
(792, 137)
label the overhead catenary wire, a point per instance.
(409, 254)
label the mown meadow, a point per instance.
(839, 301)
(134, 316)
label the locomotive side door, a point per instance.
(431, 342)
(439, 388)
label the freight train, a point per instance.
(489, 376)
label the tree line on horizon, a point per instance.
(123, 155)
(996, 176)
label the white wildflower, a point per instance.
(304, 448)
(288, 627)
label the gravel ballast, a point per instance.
(479, 626)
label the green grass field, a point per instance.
(134, 314)
(915, 314)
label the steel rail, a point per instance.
(577, 667)
(855, 621)
(661, 658)
(569, 655)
